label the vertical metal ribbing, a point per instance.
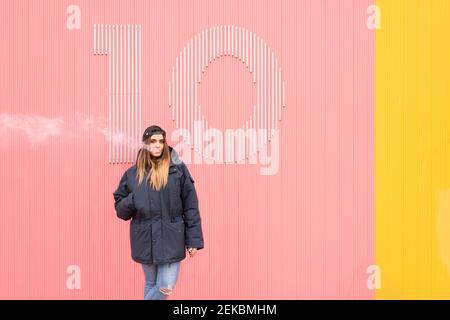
(242, 35)
(232, 40)
(236, 38)
(95, 39)
(242, 32)
(236, 42)
(169, 97)
(116, 111)
(269, 97)
(246, 56)
(255, 54)
(206, 130)
(183, 111)
(254, 144)
(105, 38)
(276, 94)
(193, 84)
(125, 94)
(104, 35)
(194, 58)
(250, 52)
(199, 58)
(140, 79)
(202, 150)
(280, 93)
(265, 92)
(136, 91)
(115, 89)
(254, 60)
(225, 41)
(258, 91)
(177, 92)
(191, 87)
(173, 93)
(228, 40)
(258, 83)
(284, 95)
(203, 52)
(243, 44)
(272, 90)
(245, 140)
(221, 41)
(196, 81)
(214, 44)
(121, 89)
(200, 55)
(210, 45)
(188, 88)
(120, 94)
(196, 136)
(101, 38)
(99, 35)
(180, 90)
(128, 144)
(130, 124)
(261, 92)
(217, 41)
(110, 97)
(231, 147)
(255, 126)
(247, 137)
(105, 48)
(133, 93)
(189, 84)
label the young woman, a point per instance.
(158, 195)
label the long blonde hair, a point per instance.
(158, 168)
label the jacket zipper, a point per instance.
(151, 223)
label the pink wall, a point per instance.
(304, 232)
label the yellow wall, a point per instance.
(412, 149)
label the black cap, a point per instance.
(153, 130)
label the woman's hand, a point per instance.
(192, 251)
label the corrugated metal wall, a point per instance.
(305, 230)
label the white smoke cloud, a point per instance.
(36, 128)
(98, 124)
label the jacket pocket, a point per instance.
(173, 235)
(141, 241)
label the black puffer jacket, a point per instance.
(160, 236)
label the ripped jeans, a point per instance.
(160, 280)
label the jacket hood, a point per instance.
(175, 159)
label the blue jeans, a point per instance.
(160, 280)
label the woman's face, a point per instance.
(156, 145)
